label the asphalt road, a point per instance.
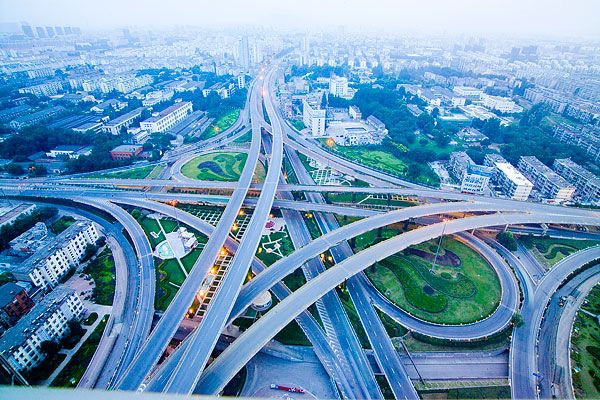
(201, 343)
(236, 355)
(524, 353)
(166, 327)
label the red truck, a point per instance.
(287, 389)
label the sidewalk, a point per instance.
(102, 310)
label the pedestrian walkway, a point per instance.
(101, 310)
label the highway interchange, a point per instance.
(132, 351)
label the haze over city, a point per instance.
(493, 17)
(318, 200)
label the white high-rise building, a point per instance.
(241, 81)
(244, 54)
(313, 118)
(338, 86)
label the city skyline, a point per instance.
(512, 18)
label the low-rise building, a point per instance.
(21, 345)
(111, 103)
(167, 118)
(126, 151)
(355, 133)
(70, 151)
(88, 127)
(547, 182)
(33, 118)
(502, 104)
(50, 263)
(587, 184)
(123, 121)
(14, 303)
(469, 93)
(13, 112)
(9, 212)
(470, 135)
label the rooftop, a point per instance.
(579, 170)
(52, 246)
(127, 148)
(513, 174)
(125, 117)
(168, 111)
(8, 291)
(19, 333)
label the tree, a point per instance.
(414, 170)
(517, 320)
(507, 239)
(425, 123)
(37, 170)
(14, 169)
(49, 348)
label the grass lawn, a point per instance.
(266, 251)
(458, 294)
(220, 166)
(150, 225)
(168, 272)
(222, 123)
(155, 172)
(585, 351)
(90, 319)
(489, 392)
(75, 368)
(298, 124)
(102, 270)
(246, 137)
(61, 224)
(134, 173)
(384, 161)
(549, 251)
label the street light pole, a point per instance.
(437, 251)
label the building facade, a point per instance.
(49, 264)
(21, 345)
(167, 118)
(587, 184)
(550, 184)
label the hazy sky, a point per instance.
(537, 17)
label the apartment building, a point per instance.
(473, 178)
(511, 182)
(167, 118)
(44, 89)
(550, 184)
(21, 345)
(313, 117)
(338, 86)
(587, 184)
(50, 263)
